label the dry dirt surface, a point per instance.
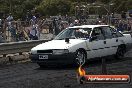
(29, 75)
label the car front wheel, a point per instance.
(80, 57)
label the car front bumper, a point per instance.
(68, 58)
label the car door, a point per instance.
(96, 43)
(112, 40)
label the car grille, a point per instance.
(45, 51)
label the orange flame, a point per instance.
(81, 71)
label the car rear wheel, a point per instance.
(80, 57)
(120, 52)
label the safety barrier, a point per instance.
(18, 47)
(8, 51)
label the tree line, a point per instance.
(19, 8)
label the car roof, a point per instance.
(88, 26)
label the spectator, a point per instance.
(123, 15)
(61, 27)
(76, 23)
(125, 27)
(33, 33)
(129, 27)
(38, 33)
(55, 26)
(1, 38)
(120, 26)
(13, 32)
(50, 28)
(33, 20)
(20, 35)
(9, 18)
(0, 22)
(1, 25)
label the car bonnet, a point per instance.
(58, 44)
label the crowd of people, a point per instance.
(32, 28)
(14, 30)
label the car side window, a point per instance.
(117, 33)
(107, 32)
(97, 34)
(111, 32)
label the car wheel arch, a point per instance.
(122, 45)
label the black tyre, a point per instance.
(80, 57)
(120, 52)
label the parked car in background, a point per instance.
(75, 45)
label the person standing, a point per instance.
(13, 32)
(38, 31)
(33, 20)
(120, 26)
(129, 27)
(33, 33)
(9, 18)
(55, 26)
(75, 23)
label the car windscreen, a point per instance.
(74, 33)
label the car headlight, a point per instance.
(63, 51)
(33, 51)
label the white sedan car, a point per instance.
(77, 44)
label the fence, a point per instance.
(19, 30)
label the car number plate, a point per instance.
(43, 56)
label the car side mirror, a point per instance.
(67, 40)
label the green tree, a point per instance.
(128, 4)
(19, 8)
(54, 7)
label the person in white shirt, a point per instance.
(9, 20)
